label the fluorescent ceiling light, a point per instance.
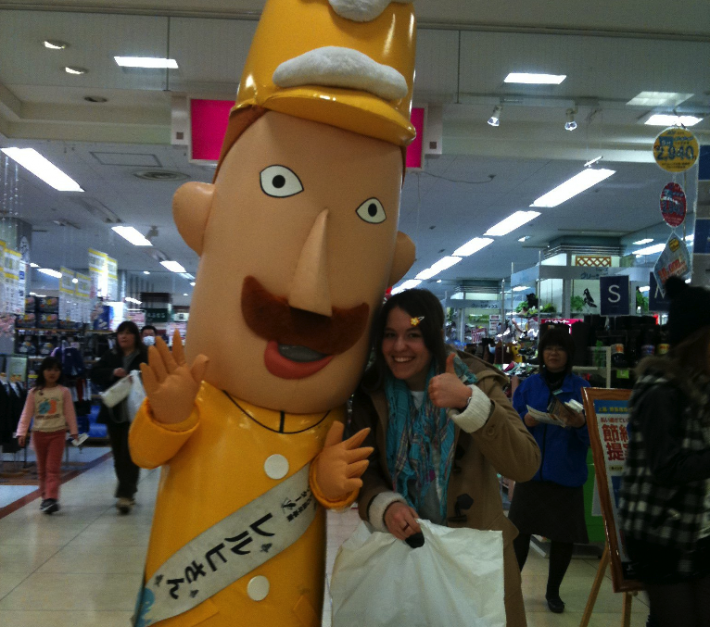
(645, 288)
(587, 178)
(187, 275)
(521, 288)
(641, 242)
(658, 99)
(473, 246)
(524, 238)
(55, 273)
(443, 264)
(407, 285)
(192, 283)
(39, 166)
(650, 250)
(173, 266)
(77, 71)
(131, 234)
(135, 301)
(151, 63)
(55, 44)
(185, 294)
(34, 265)
(512, 222)
(146, 272)
(667, 119)
(535, 79)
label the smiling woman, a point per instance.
(441, 427)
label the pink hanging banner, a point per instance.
(208, 125)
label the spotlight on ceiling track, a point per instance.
(571, 124)
(494, 120)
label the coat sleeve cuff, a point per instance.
(477, 412)
(338, 505)
(378, 507)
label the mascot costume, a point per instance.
(297, 238)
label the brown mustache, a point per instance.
(272, 318)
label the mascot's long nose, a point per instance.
(310, 290)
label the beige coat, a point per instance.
(503, 445)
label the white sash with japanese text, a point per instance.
(229, 550)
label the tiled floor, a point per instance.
(82, 567)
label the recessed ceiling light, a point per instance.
(133, 235)
(524, 238)
(146, 272)
(39, 166)
(96, 99)
(75, 70)
(666, 119)
(535, 79)
(443, 264)
(185, 294)
(55, 44)
(75, 280)
(641, 242)
(148, 63)
(407, 285)
(576, 185)
(173, 266)
(512, 222)
(192, 283)
(473, 246)
(658, 99)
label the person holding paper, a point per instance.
(552, 503)
(441, 428)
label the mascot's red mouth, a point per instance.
(300, 343)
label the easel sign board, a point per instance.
(607, 414)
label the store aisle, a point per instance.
(82, 566)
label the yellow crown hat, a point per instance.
(346, 63)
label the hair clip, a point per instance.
(415, 321)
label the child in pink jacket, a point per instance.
(52, 407)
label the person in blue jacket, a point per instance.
(552, 503)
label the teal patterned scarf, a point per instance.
(412, 435)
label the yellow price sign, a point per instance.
(676, 150)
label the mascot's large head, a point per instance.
(298, 234)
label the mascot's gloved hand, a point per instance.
(170, 384)
(340, 465)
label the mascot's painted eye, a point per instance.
(280, 182)
(372, 211)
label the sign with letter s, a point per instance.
(614, 295)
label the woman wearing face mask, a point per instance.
(441, 427)
(664, 504)
(114, 365)
(552, 504)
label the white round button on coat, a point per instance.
(258, 588)
(276, 467)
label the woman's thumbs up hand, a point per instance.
(446, 390)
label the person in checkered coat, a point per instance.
(664, 506)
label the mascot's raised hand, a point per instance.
(170, 384)
(341, 463)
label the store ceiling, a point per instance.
(610, 51)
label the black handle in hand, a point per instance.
(416, 540)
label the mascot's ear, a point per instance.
(404, 252)
(191, 209)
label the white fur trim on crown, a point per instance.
(362, 10)
(333, 66)
(379, 505)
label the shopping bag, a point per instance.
(136, 396)
(455, 579)
(117, 392)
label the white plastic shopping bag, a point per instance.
(454, 580)
(136, 396)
